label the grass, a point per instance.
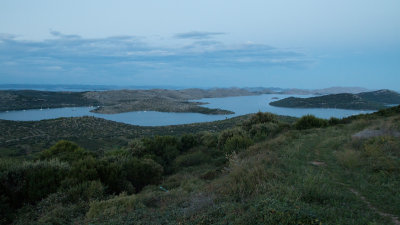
(312, 176)
(275, 182)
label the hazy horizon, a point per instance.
(289, 44)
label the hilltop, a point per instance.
(261, 169)
(366, 100)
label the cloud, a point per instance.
(197, 35)
(67, 55)
(61, 35)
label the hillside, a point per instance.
(261, 171)
(95, 134)
(366, 101)
(118, 101)
(30, 99)
(382, 96)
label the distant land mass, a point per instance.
(363, 101)
(111, 100)
(118, 101)
(258, 90)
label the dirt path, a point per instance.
(395, 220)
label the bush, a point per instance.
(236, 143)
(259, 131)
(136, 148)
(64, 151)
(162, 149)
(260, 118)
(141, 172)
(115, 206)
(112, 176)
(334, 121)
(83, 170)
(191, 159)
(226, 134)
(349, 158)
(209, 140)
(310, 121)
(187, 142)
(28, 182)
(89, 190)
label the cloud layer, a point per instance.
(128, 55)
(197, 35)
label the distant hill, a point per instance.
(339, 90)
(324, 91)
(367, 100)
(383, 96)
(118, 101)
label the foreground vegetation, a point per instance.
(262, 171)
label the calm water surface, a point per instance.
(240, 105)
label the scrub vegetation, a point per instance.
(264, 170)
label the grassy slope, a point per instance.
(293, 177)
(276, 182)
(95, 134)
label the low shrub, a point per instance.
(64, 151)
(191, 159)
(120, 204)
(226, 134)
(260, 118)
(28, 182)
(349, 158)
(237, 143)
(141, 172)
(209, 140)
(310, 121)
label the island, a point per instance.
(119, 101)
(374, 100)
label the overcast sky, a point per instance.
(208, 43)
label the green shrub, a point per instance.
(237, 143)
(260, 118)
(111, 175)
(64, 151)
(191, 159)
(263, 130)
(381, 153)
(28, 182)
(89, 190)
(162, 149)
(83, 170)
(248, 177)
(349, 158)
(141, 172)
(120, 204)
(137, 148)
(187, 141)
(334, 121)
(226, 134)
(209, 139)
(310, 121)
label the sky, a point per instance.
(208, 43)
